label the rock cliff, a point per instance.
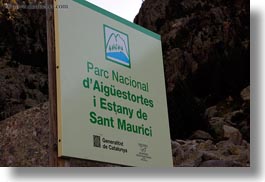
(206, 50)
(23, 56)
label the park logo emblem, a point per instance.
(117, 46)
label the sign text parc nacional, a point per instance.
(111, 94)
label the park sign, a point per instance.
(111, 98)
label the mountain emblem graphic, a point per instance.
(117, 46)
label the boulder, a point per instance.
(211, 112)
(199, 134)
(207, 146)
(177, 150)
(216, 127)
(207, 155)
(232, 134)
(245, 94)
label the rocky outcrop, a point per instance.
(200, 36)
(24, 138)
(206, 153)
(23, 56)
(24, 141)
(206, 51)
(22, 87)
(226, 144)
(230, 117)
(23, 32)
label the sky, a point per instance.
(126, 9)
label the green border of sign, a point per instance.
(129, 54)
(119, 19)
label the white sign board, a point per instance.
(110, 89)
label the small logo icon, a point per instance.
(143, 154)
(117, 46)
(96, 140)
